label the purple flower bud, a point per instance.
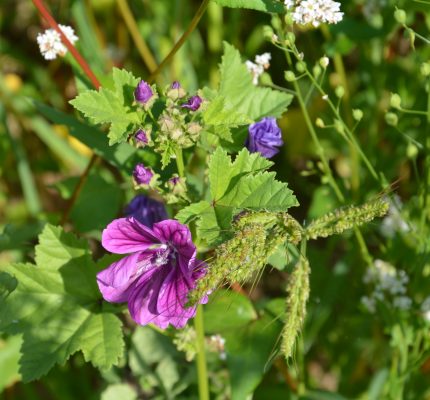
(193, 103)
(141, 137)
(142, 175)
(146, 210)
(175, 85)
(143, 92)
(264, 137)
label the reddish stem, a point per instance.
(75, 53)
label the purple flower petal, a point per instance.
(193, 103)
(143, 92)
(142, 175)
(157, 278)
(264, 137)
(127, 235)
(115, 282)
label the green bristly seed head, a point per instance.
(256, 236)
(344, 219)
(298, 295)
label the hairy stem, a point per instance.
(202, 373)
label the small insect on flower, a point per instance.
(265, 137)
(155, 277)
(50, 44)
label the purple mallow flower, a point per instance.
(264, 137)
(143, 92)
(175, 85)
(142, 175)
(193, 103)
(156, 276)
(141, 137)
(146, 210)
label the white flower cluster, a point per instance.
(393, 221)
(389, 286)
(425, 309)
(314, 12)
(256, 68)
(50, 44)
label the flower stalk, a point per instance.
(202, 373)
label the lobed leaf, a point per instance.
(56, 306)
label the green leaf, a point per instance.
(235, 186)
(98, 203)
(236, 310)
(91, 136)
(154, 358)
(271, 6)
(7, 285)
(121, 391)
(112, 106)
(9, 356)
(56, 306)
(223, 117)
(243, 96)
(249, 348)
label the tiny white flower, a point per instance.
(289, 4)
(393, 221)
(369, 303)
(324, 62)
(50, 44)
(325, 97)
(402, 302)
(263, 60)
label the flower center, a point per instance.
(162, 255)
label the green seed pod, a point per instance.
(425, 69)
(289, 76)
(391, 119)
(357, 114)
(340, 91)
(411, 151)
(301, 67)
(395, 101)
(400, 16)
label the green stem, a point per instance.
(142, 48)
(314, 136)
(182, 39)
(202, 373)
(180, 163)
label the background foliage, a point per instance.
(344, 352)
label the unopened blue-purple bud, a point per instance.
(141, 138)
(142, 175)
(193, 103)
(143, 92)
(264, 137)
(175, 85)
(146, 210)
